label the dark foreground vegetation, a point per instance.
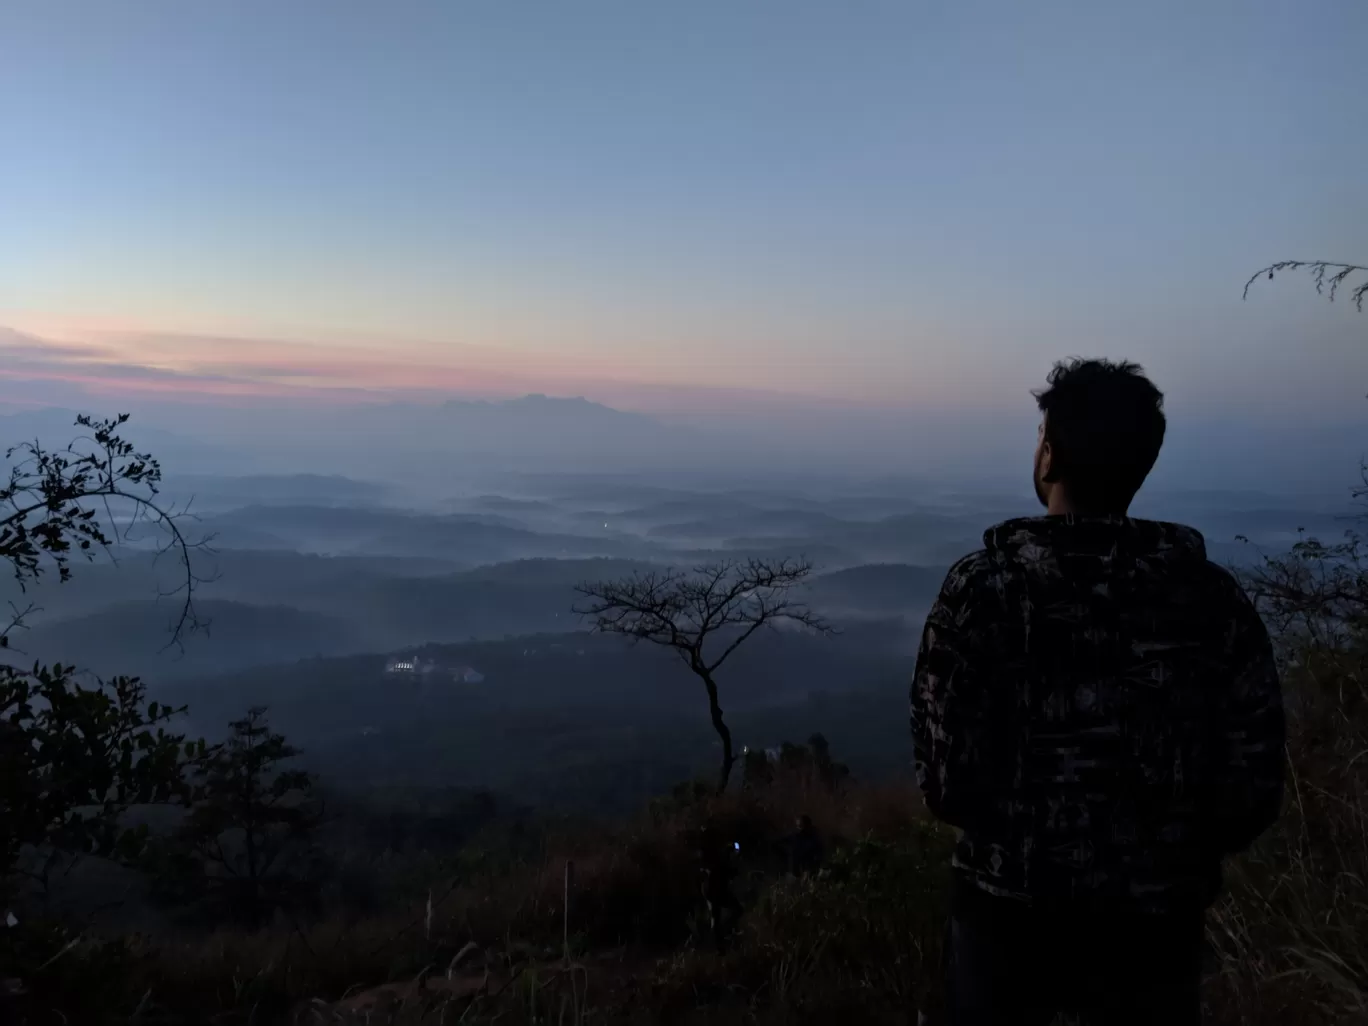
(478, 932)
(277, 901)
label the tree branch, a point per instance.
(1327, 274)
(48, 517)
(725, 602)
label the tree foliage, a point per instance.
(1295, 910)
(245, 847)
(1316, 594)
(1328, 276)
(74, 759)
(704, 616)
(74, 756)
(813, 759)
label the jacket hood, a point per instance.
(1050, 543)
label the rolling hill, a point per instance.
(132, 638)
(207, 492)
(880, 589)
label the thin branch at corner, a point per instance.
(1328, 275)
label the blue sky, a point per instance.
(886, 203)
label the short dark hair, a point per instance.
(1105, 424)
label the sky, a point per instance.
(892, 206)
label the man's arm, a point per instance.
(1250, 735)
(952, 716)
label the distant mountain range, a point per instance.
(442, 449)
(428, 447)
(393, 442)
(55, 427)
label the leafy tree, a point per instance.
(703, 617)
(756, 770)
(812, 761)
(74, 759)
(74, 756)
(53, 497)
(245, 848)
(829, 771)
(1328, 276)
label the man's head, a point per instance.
(1102, 424)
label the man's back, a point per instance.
(1097, 708)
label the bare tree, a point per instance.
(1327, 274)
(703, 616)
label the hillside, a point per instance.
(206, 492)
(388, 601)
(132, 638)
(459, 537)
(773, 523)
(548, 702)
(877, 589)
(306, 581)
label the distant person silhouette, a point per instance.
(1096, 708)
(715, 874)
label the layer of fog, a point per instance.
(429, 453)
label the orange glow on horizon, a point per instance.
(110, 358)
(127, 362)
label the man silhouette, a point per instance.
(1096, 708)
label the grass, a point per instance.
(487, 941)
(1290, 936)
(492, 940)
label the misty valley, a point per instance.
(313, 589)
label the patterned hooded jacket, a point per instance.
(1096, 707)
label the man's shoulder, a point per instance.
(972, 586)
(970, 573)
(987, 574)
(1199, 594)
(1208, 582)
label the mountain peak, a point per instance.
(542, 399)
